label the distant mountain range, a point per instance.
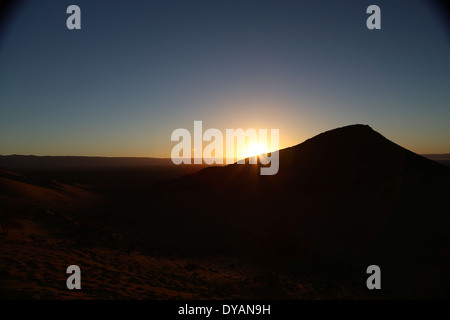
(443, 156)
(30, 161)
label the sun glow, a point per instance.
(255, 149)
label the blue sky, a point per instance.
(137, 70)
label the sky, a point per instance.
(137, 70)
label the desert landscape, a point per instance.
(147, 229)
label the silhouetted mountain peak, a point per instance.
(352, 135)
(352, 129)
(353, 150)
(337, 158)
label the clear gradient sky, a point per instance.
(137, 70)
